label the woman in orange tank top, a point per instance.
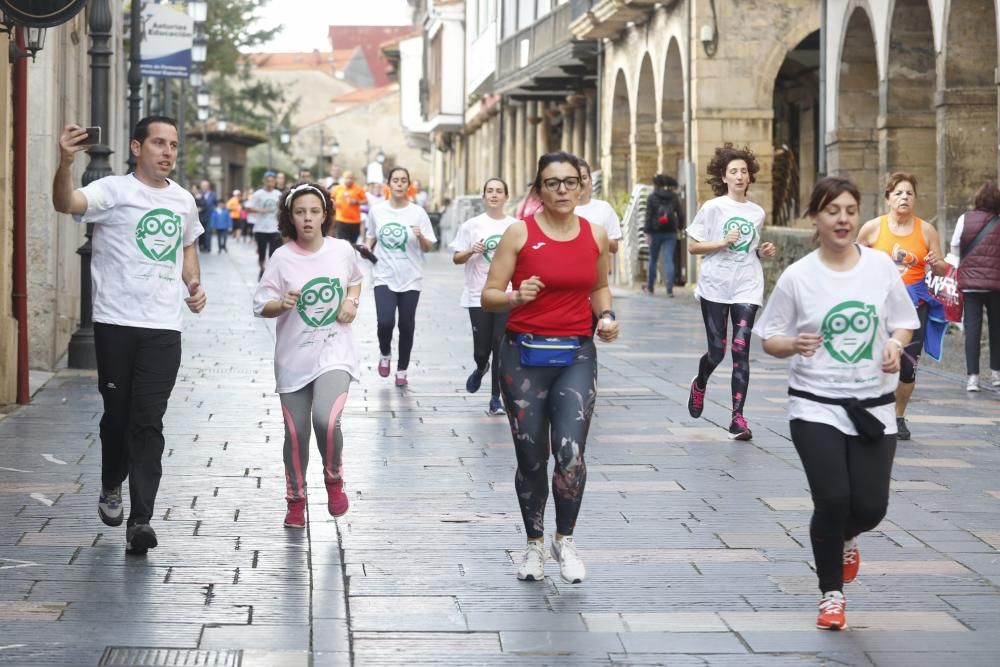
(914, 245)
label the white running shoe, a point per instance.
(533, 566)
(570, 566)
(972, 384)
(995, 381)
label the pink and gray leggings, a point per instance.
(317, 406)
(716, 316)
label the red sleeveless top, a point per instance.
(569, 271)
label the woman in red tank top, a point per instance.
(558, 263)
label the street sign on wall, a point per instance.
(41, 13)
(166, 38)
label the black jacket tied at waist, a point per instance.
(868, 425)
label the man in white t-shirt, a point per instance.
(262, 212)
(144, 267)
(597, 210)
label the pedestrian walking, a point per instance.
(144, 267)
(558, 263)
(843, 317)
(209, 198)
(474, 245)
(221, 223)
(726, 232)
(263, 210)
(598, 210)
(348, 198)
(976, 242)
(235, 208)
(914, 246)
(664, 219)
(399, 233)
(312, 285)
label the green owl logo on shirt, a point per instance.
(393, 236)
(490, 247)
(158, 235)
(849, 331)
(747, 230)
(320, 301)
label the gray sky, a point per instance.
(306, 21)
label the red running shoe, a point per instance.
(831, 612)
(852, 560)
(336, 500)
(296, 515)
(696, 399)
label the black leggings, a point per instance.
(487, 331)
(267, 243)
(849, 481)
(716, 316)
(974, 304)
(911, 353)
(387, 303)
(549, 409)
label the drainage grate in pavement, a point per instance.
(131, 656)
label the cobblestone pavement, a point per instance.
(696, 546)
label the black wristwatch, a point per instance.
(607, 313)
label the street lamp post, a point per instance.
(134, 75)
(82, 353)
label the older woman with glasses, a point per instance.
(558, 264)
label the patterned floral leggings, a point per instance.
(549, 410)
(716, 316)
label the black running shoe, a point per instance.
(139, 539)
(474, 381)
(903, 432)
(696, 399)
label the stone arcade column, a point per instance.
(566, 143)
(967, 148)
(580, 127)
(509, 147)
(531, 122)
(590, 148)
(520, 160)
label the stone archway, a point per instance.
(794, 131)
(671, 127)
(967, 107)
(852, 151)
(645, 152)
(621, 131)
(906, 131)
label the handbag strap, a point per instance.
(979, 237)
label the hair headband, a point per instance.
(301, 187)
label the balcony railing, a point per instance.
(543, 36)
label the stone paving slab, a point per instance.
(697, 547)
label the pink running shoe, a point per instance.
(401, 379)
(336, 500)
(383, 366)
(739, 429)
(696, 399)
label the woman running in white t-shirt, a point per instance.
(475, 242)
(399, 233)
(726, 231)
(843, 316)
(312, 285)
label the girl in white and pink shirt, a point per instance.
(312, 285)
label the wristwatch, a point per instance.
(355, 300)
(610, 314)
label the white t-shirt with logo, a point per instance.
(601, 212)
(400, 264)
(856, 311)
(140, 233)
(264, 223)
(310, 341)
(488, 230)
(734, 274)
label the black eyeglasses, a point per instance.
(570, 183)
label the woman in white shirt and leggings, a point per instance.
(843, 316)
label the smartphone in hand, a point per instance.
(93, 137)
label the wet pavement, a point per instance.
(696, 546)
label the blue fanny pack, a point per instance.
(547, 350)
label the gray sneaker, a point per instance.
(109, 506)
(139, 539)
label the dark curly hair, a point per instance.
(285, 225)
(725, 154)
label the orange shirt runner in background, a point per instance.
(907, 252)
(347, 200)
(234, 207)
